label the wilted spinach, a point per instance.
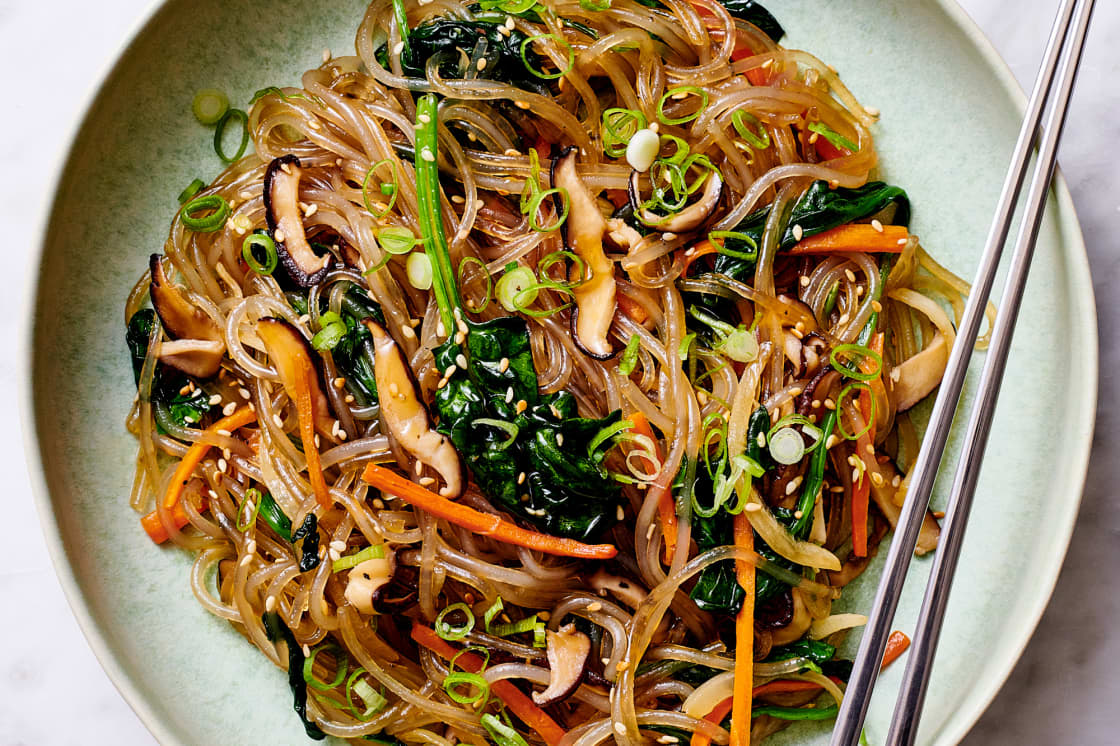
(351, 358)
(454, 42)
(819, 209)
(308, 536)
(182, 409)
(277, 631)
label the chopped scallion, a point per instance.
(629, 359)
(253, 500)
(833, 136)
(209, 105)
(478, 689)
(507, 427)
(260, 242)
(514, 288)
(217, 212)
(374, 551)
(682, 92)
(446, 630)
(758, 137)
(787, 446)
(846, 359)
(419, 270)
(560, 43)
(190, 190)
(342, 664)
(220, 133)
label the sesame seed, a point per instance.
(425, 481)
(450, 370)
(510, 23)
(761, 440)
(342, 434)
(424, 118)
(622, 666)
(306, 652)
(349, 399)
(326, 55)
(896, 374)
(805, 281)
(222, 465)
(903, 241)
(843, 318)
(509, 395)
(379, 503)
(441, 383)
(793, 485)
(186, 389)
(668, 236)
(555, 412)
(441, 330)
(503, 364)
(649, 531)
(427, 154)
(316, 440)
(798, 232)
(461, 361)
(334, 554)
(850, 275)
(213, 494)
(407, 333)
(620, 513)
(481, 64)
(896, 481)
(394, 389)
(418, 468)
(339, 545)
(859, 290)
(457, 199)
(270, 603)
(594, 606)
(798, 514)
(752, 507)
(398, 48)
(279, 234)
(521, 104)
(876, 306)
(559, 440)
(877, 479)
(829, 404)
(522, 405)
(877, 226)
(855, 475)
(339, 382)
(813, 138)
(872, 111)
(224, 432)
(521, 478)
(244, 393)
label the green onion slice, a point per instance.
(374, 551)
(561, 43)
(807, 427)
(676, 92)
(741, 466)
(396, 240)
(342, 661)
(481, 650)
(535, 204)
(373, 700)
(629, 359)
(787, 446)
(607, 433)
(190, 190)
(210, 105)
(680, 152)
(493, 611)
(515, 288)
(253, 499)
(452, 682)
(446, 630)
(854, 354)
(463, 265)
(389, 188)
(833, 136)
(507, 427)
(329, 335)
(719, 239)
(515, 628)
(743, 121)
(557, 257)
(856, 386)
(220, 133)
(500, 733)
(264, 243)
(419, 270)
(619, 125)
(682, 350)
(218, 212)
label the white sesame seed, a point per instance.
(903, 241)
(427, 154)
(510, 24)
(244, 393)
(850, 275)
(215, 400)
(649, 531)
(279, 235)
(620, 513)
(503, 364)
(829, 404)
(897, 480)
(223, 431)
(306, 652)
(668, 236)
(418, 467)
(752, 507)
(270, 603)
(229, 409)
(222, 465)
(407, 333)
(521, 104)
(594, 606)
(509, 395)
(441, 330)
(798, 514)
(798, 232)
(521, 478)
(424, 118)
(461, 361)
(793, 484)
(481, 64)
(877, 225)
(426, 481)
(559, 440)
(805, 281)
(450, 370)
(326, 55)
(251, 547)
(398, 48)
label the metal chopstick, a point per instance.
(915, 682)
(853, 711)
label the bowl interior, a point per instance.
(949, 116)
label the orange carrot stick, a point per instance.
(514, 698)
(157, 532)
(855, 237)
(631, 308)
(485, 524)
(191, 459)
(718, 713)
(861, 490)
(698, 250)
(742, 692)
(896, 646)
(666, 509)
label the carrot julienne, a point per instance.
(532, 715)
(191, 459)
(855, 237)
(897, 644)
(486, 524)
(742, 692)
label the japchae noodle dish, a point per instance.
(540, 374)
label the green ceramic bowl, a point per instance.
(950, 111)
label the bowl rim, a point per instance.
(953, 729)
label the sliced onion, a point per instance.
(782, 542)
(824, 627)
(709, 694)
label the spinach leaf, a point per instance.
(455, 41)
(353, 360)
(817, 210)
(753, 12)
(815, 650)
(184, 410)
(565, 489)
(276, 519)
(308, 532)
(277, 631)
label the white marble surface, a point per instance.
(1064, 690)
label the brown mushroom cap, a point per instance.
(567, 651)
(405, 415)
(199, 346)
(285, 222)
(287, 348)
(583, 233)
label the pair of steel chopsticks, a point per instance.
(1063, 55)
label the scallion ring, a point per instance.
(342, 663)
(218, 212)
(220, 133)
(392, 185)
(209, 105)
(855, 386)
(680, 152)
(483, 651)
(453, 681)
(561, 43)
(521, 305)
(253, 499)
(682, 92)
(629, 359)
(719, 239)
(833, 136)
(606, 434)
(508, 428)
(806, 425)
(855, 354)
(448, 631)
(743, 120)
(787, 446)
(419, 271)
(466, 262)
(579, 269)
(190, 190)
(396, 240)
(534, 209)
(619, 125)
(373, 700)
(514, 285)
(263, 243)
(493, 611)
(374, 551)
